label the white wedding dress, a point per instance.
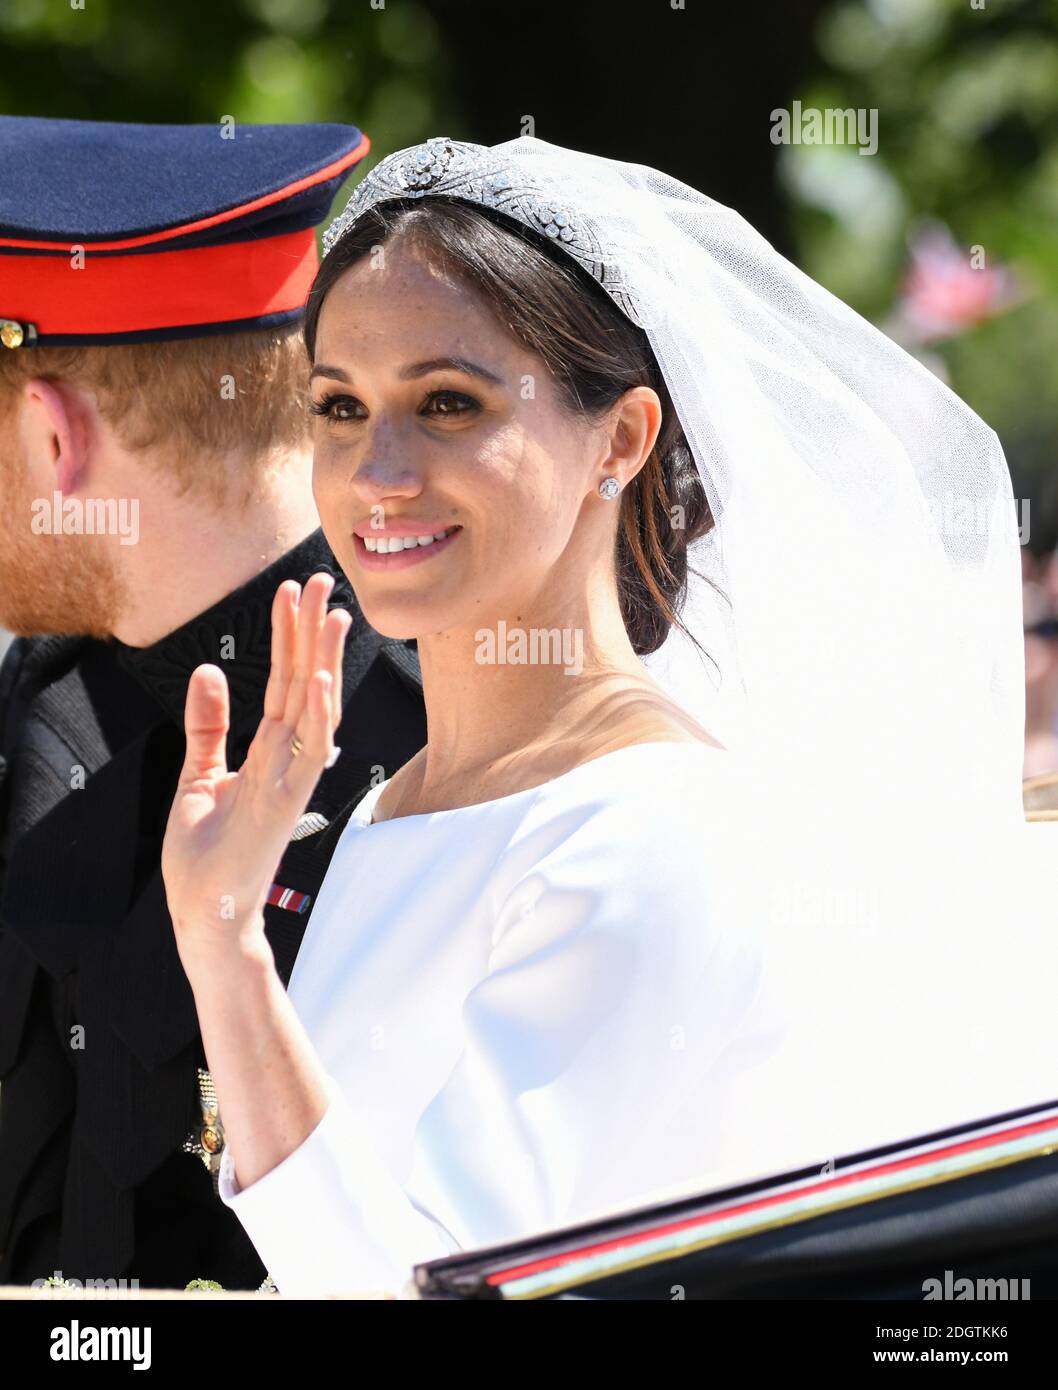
(566, 1002)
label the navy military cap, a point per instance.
(115, 233)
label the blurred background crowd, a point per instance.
(945, 234)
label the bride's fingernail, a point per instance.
(333, 757)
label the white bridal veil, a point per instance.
(860, 598)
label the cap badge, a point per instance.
(15, 335)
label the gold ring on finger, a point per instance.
(296, 745)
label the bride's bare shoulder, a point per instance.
(643, 721)
(660, 722)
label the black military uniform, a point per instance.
(99, 1043)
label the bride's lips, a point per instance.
(401, 559)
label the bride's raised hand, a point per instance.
(227, 831)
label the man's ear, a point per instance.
(55, 434)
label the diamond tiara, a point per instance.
(478, 174)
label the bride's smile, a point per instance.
(399, 544)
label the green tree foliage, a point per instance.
(381, 68)
(967, 98)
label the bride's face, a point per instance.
(431, 418)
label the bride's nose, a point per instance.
(387, 467)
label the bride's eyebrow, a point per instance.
(457, 364)
(417, 369)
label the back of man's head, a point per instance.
(206, 414)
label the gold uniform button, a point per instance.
(11, 334)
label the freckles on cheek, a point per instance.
(327, 465)
(521, 469)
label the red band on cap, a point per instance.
(164, 289)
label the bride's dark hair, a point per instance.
(554, 308)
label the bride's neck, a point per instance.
(522, 694)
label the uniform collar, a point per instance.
(236, 635)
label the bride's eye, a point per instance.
(454, 403)
(337, 409)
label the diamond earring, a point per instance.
(609, 488)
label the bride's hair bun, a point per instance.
(594, 352)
